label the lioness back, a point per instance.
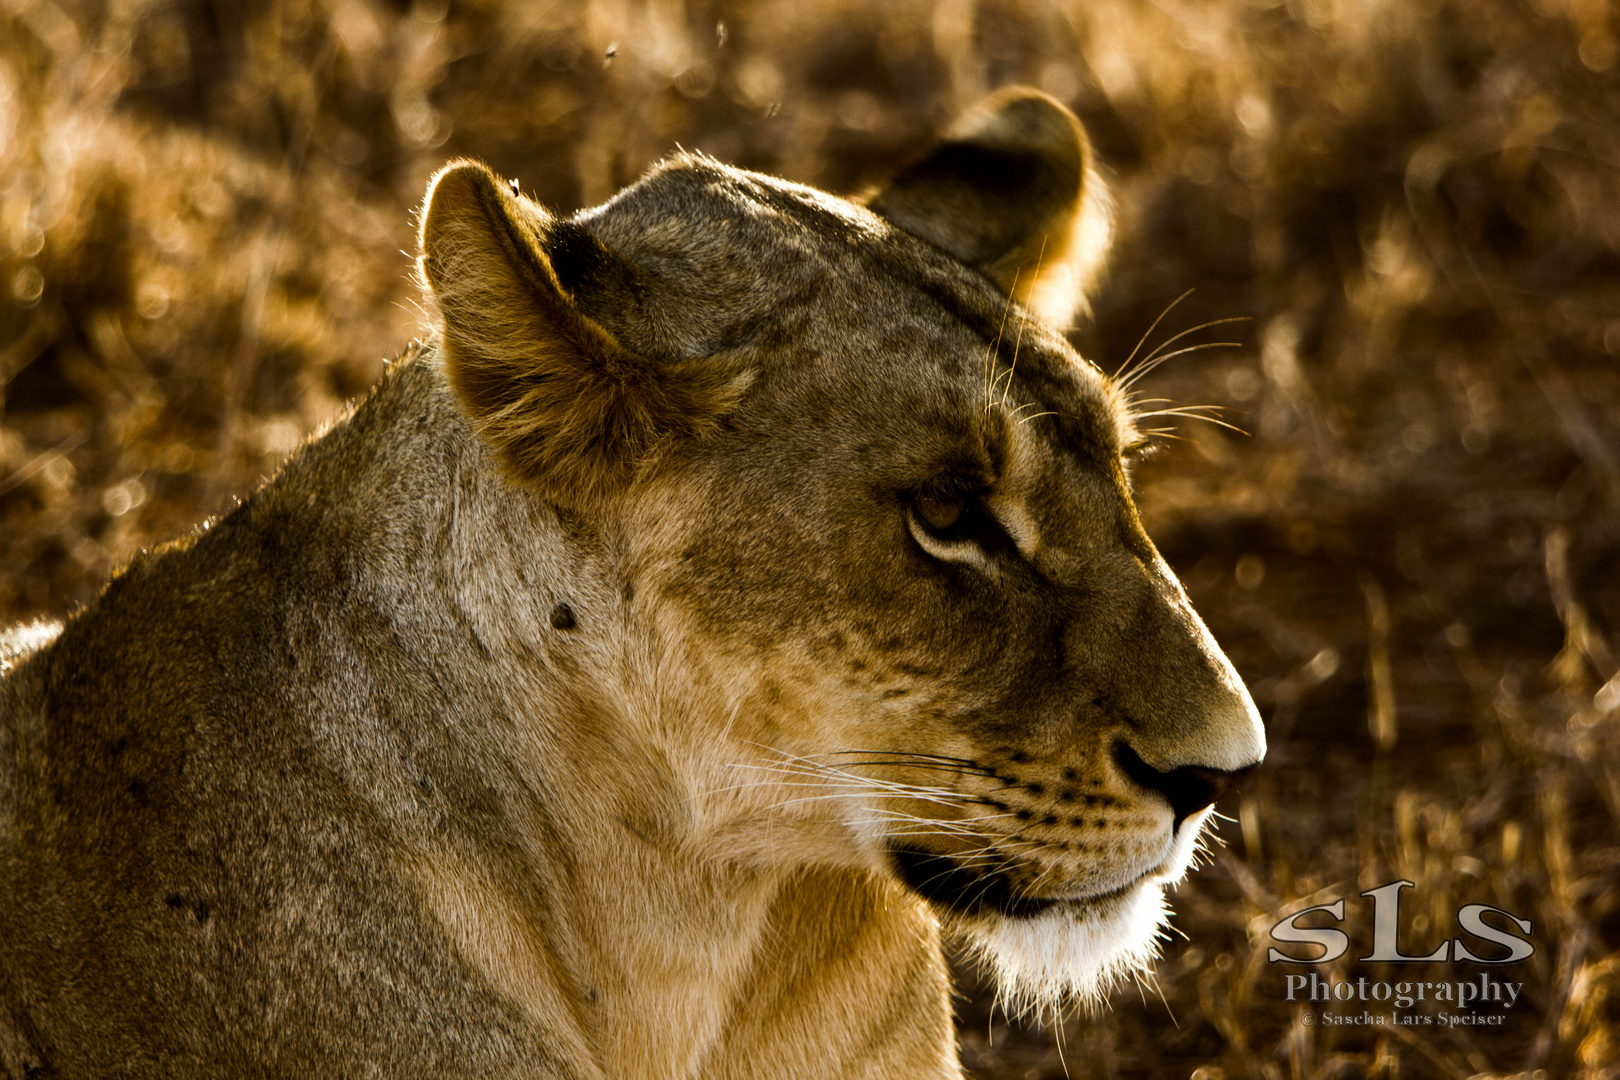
(223, 763)
(741, 585)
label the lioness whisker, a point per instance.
(985, 883)
(1193, 330)
(1181, 410)
(1189, 413)
(806, 766)
(1147, 979)
(924, 767)
(902, 830)
(892, 812)
(886, 788)
(1148, 365)
(1033, 416)
(996, 383)
(1154, 325)
(911, 755)
(1013, 367)
(921, 795)
(961, 824)
(926, 825)
(823, 770)
(1027, 889)
(819, 782)
(925, 829)
(989, 354)
(927, 767)
(894, 795)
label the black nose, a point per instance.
(1189, 788)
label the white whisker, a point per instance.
(1148, 365)
(1193, 330)
(1149, 332)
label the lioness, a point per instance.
(740, 585)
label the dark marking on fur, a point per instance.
(198, 909)
(948, 883)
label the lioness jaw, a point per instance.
(741, 585)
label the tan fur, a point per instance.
(1044, 236)
(546, 385)
(491, 931)
(602, 699)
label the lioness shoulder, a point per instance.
(740, 589)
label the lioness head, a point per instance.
(873, 517)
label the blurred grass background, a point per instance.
(1413, 556)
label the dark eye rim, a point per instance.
(974, 524)
(1140, 450)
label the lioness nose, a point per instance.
(1189, 788)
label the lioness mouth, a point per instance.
(963, 890)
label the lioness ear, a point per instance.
(1010, 191)
(567, 409)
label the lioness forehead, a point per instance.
(821, 292)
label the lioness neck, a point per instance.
(593, 884)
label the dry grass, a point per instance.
(1412, 558)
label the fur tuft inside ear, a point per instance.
(1011, 191)
(567, 409)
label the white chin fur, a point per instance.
(1073, 952)
(1076, 951)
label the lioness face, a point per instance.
(882, 511)
(922, 547)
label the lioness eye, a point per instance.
(955, 528)
(1140, 450)
(938, 513)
